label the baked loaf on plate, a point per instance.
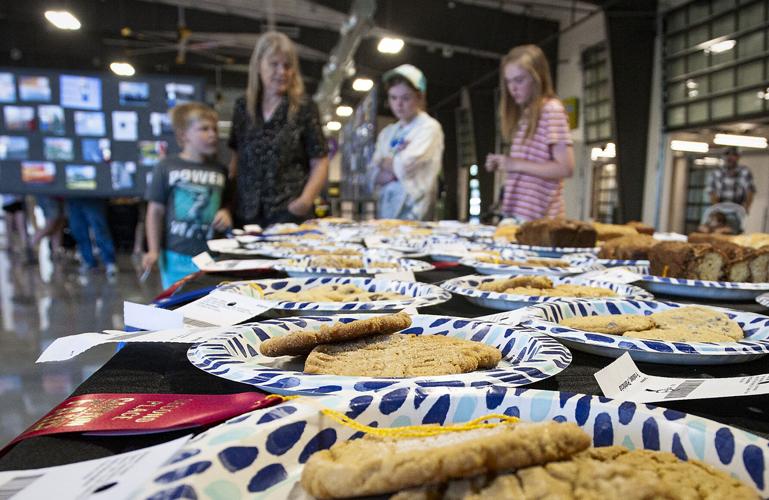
(694, 261)
(557, 233)
(633, 247)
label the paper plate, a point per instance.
(467, 286)
(544, 318)
(489, 268)
(301, 268)
(698, 289)
(763, 299)
(551, 251)
(260, 455)
(526, 357)
(420, 294)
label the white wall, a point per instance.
(576, 190)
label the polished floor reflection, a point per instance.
(44, 300)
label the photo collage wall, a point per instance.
(70, 133)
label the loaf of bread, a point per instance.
(633, 247)
(696, 261)
(641, 227)
(557, 233)
(606, 232)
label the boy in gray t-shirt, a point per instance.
(187, 197)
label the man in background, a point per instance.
(732, 182)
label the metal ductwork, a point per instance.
(341, 63)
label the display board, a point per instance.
(76, 133)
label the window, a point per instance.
(696, 197)
(605, 194)
(705, 88)
(597, 94)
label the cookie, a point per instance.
(681, 334)
(302, 342)
(615, 324)
(542, 282)
(400, 355)
(375, 466)
(699, 321)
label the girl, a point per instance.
(533, 118)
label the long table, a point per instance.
(163, 368)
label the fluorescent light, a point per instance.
(708, 160)
(746, 141)
(334, 126)
(691, 146)
(62, 19)
(122, 68)
(389, 45)
(722, 46)
(344, 111)
(362, 84)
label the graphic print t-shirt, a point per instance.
(191, 193)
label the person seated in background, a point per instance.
(408, 157)
(716, 224)
(731, 181)
(188, 196)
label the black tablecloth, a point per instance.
(163, 368)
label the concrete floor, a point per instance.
(43, 301)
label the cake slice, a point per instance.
(696, 261)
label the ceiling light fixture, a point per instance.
(389, 45)
(362, 84)
(708, 160)
(610, 151)
(344, 111)
(744, 141)
(690, 146)
(717, 45)
(62, 19)
(334, 126)
(122, 68)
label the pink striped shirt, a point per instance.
(528, 196)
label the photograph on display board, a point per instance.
(35, 88)
(80, 92)
(7, 87)
(58, 149)
(125, 125)
(160, 123)
(90, 123)
(19, 118)
(123, 173)
(179, 93)
(51, 119)
(38, 172)
(80, 176)
(134, 93)
(151, 152)
(13, 147)
(97, 150)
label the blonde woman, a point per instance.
(280, 157)
(535, 122)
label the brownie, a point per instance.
(557, 232)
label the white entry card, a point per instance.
(112, 477)
(397, 276)
(220, 308)
(207, 264)
(623, 380)
(613, 275)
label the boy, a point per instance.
(187, 195)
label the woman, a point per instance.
(279, 161)
(407, 159)
(534, 120)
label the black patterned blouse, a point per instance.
(273, 158)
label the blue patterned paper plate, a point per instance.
(699, 289)
(490, 268)
(551, 251)
(527, 357)
(301, 268)
(467, 286)
(545, 317)
(763, 299)
(420, 294)
(260, 455)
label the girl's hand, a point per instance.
(149, 259)
(300, 207)
(495, 162)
